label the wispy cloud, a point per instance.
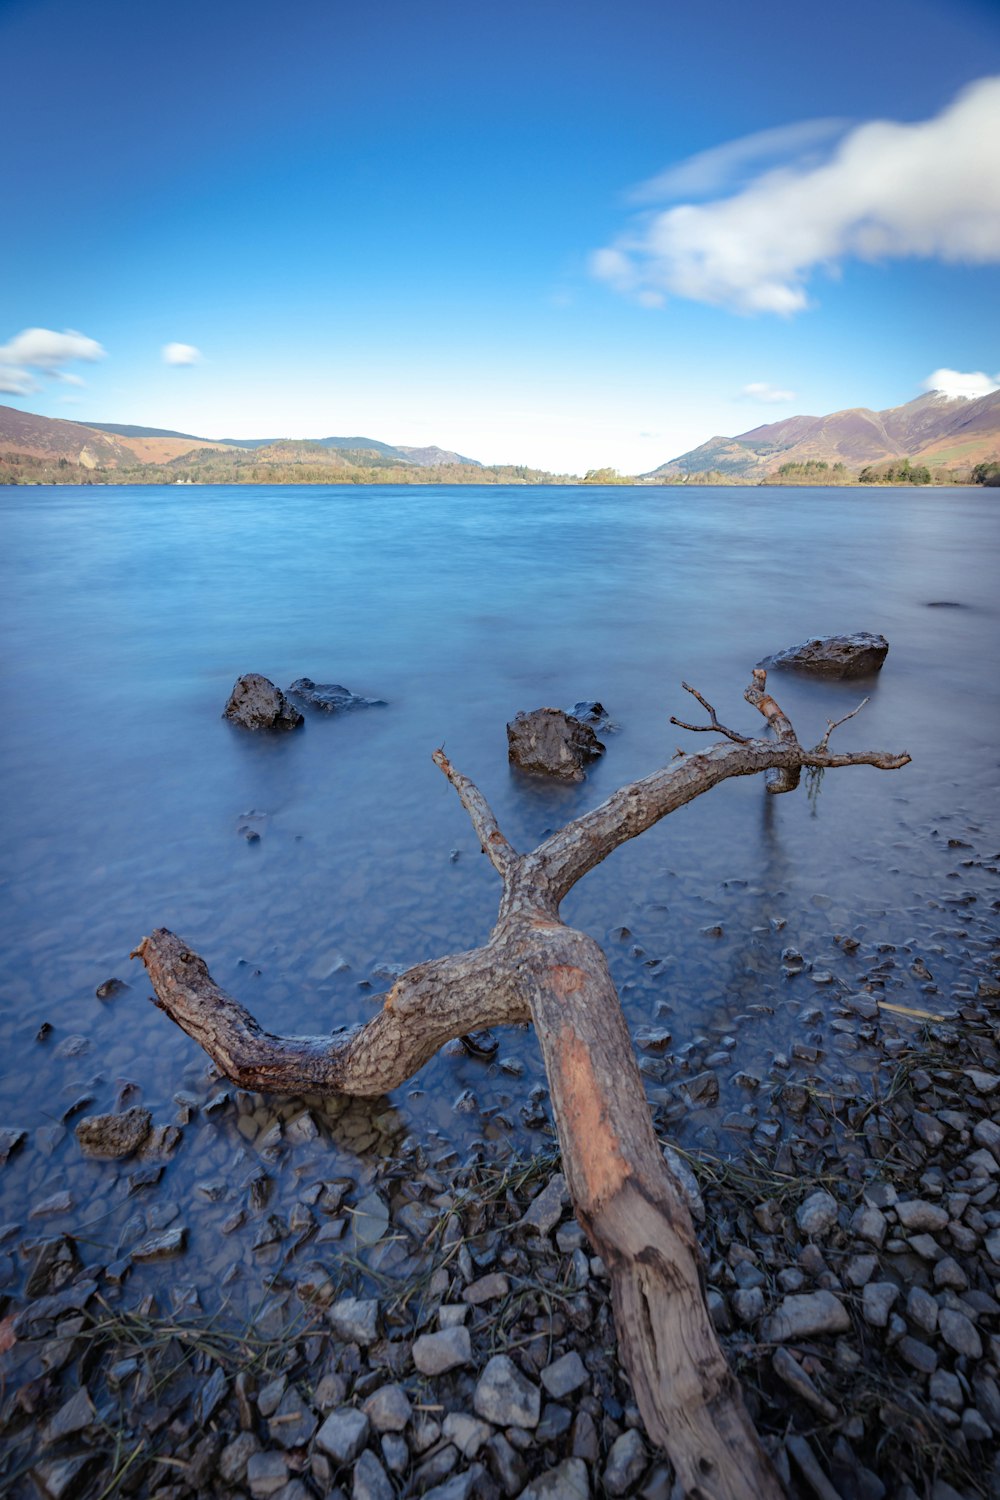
(887, 191)
(181, 354)
(958, 383)
(722, 168)
(760, 390)
(44, 350)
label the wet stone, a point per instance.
(110, 989)
(111, 1137)
(73, 1416)
(10, 1139)
(160, 1246)
(505, 1397)
(58, 1477)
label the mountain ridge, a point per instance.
(931, 429)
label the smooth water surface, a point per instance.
(127, 614)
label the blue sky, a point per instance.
(424, 221)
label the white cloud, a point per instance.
(181, 354)
(955, 383)
(724, 167)
(929, 190)
(760, 390)
(45, 350)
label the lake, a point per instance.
(126, 616)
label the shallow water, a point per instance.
(127, 614)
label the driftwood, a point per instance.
(536, 968)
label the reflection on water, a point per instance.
(128, 613)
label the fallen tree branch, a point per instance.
(535, 967)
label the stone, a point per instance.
(234, 1458)
(110, 988)
(626, 1463)
(860, 1269)
(545, 1211)
(788, 1369)
(565, 1375)
(974, 1427)
(293, 1423)
(10, 1139)
(343, 1435)
(487, 1289)
(686, 1181)
(369, 1480)
(467, 1433)
(388, 1409)
(592, 712)
(833, 656)
(329, 697)
(504, 1396)
(918, 1355)
(112, 1137)
(58, 1477)
(267, 1473)
(804, 1315)
(919, 1215)
(748, 1304)
(160, 1246)
(817, 1214)
(948, 1273)
(922, 1309)
(959, 1333)
(434, 1353)
(987, 1133)
(459, 1487)
(255, 703)
(371, 1219)
(75, 1415)
(567, 1481)
(548, 742)
(869, 1223)
(946, 1389)
(877, 1299)
(354, 1320)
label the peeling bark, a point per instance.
(536, 968)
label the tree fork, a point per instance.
(534, 967)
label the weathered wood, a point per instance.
(535, 967)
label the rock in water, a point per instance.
(330, 697)
(110, 1137)
(256, 703)
(548, 742)
(858, 655)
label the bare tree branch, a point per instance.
(535, 967)
(832, 724)
(740, 739)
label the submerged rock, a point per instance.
(548, 742)
(114, 1136)
(589, 711)
(255, 703)
(330, 697)
(857, 655)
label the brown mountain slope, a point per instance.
(51, 438)
(935, 428)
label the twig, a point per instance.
(832, 724)
(494, 845)
(739, 739)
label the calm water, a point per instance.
(127, 614)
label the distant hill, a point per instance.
(48, 450)
(936, 430)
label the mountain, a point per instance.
(938, 430)
(52, 439)
(437, 458)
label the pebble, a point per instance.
(504, 1396)
(353, 1320)
(959, 1333)
(433, 1353)
(267, 1473)
(918, 1215)
(388, 1409)
(568, 1481)
(804, 1315)
(369, 1480)
(877, 1300)
(545, 1211)
(467, 1433)
(817, 1214)
(626, 1463)
(565, 1375)
(343, 1435)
